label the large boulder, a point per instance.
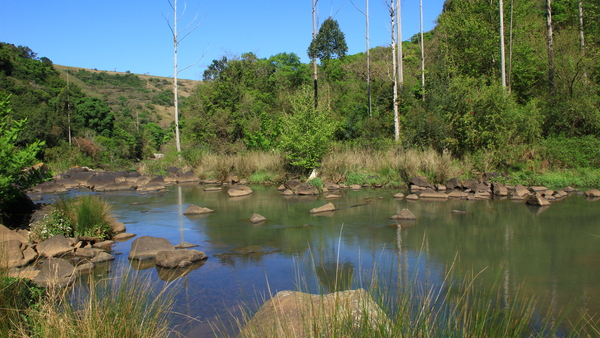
(54, 246)
(420, 182)
(306, 189)
(537, 200)
(453, 183)
(100, 180)
(55, 272)
(196, 210)
(116, 226)
(520, 192)
(155, 184)
(188, 177)
(83, 177)
(325, 208)
(239, 190)
(116, 186)
(102, 257)
(499, 189)
(6, 235)
(67, 183)
(297, 314)
(178, 258)
(404, 214)
(592, 193)
(292, 184)
(14, 253)
(471, 184)
(147, 247)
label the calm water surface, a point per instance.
(553, 253)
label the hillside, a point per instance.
(144, 97)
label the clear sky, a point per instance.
(133, 35)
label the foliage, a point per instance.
(83, 216)
(329, 43)
(92, 113)
(14, 178)
(264, 138)
(563, 152)
(17, 298)
(316, 182)
(307, 132)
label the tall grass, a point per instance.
(17, 297)
(457, 305)
(128, 306)
(244, 164)
(359, 166)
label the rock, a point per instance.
(482, 195)
(325, 208)
(433, 195)
(292, 184)
(281, 188)
(453, 183)
(120, 186)
(412, 197)
(520, 191)
(85, 267)
(415, 188)
(146, 247)
(6, 235)
(102, 257)
(355, 187)
(256, 218)
(404, 214)
(55, 272)
(116, 226)
(306, 189)
(287, 192)
(48, 188)
(185, 245)
(538, 189)
(155, 184)
(210, 181)
(459, 212)
(87, 252)
(100, 181)
(77, 170)
(458, 194)
(104, 245)
(471, 184)
(54, 246)
(213, 189)
(123, 236)
(399, 195)
(68, 183)
(14, 253)
(482, 187)
(560, 194)
(592, 193)
(83, 177)
(188, 177)
(569, 189)
(537, 200)
(173, 258)
(489, 175)
(440, 188)
(499, 189)
(239, 190)
(170, 179)
(332, 186)
(298, 314)
(196, 210)
(27, 273)
(421, 182)
(332, 196)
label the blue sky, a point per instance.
(133, 34)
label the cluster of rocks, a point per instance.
(54, 261)
(82, 177)
(472, 189)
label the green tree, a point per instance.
(329, 43)
(92, 113)
(307, 133)
(14, 158)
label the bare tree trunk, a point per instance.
(581, 36)
(368, 62)
(422, 51)
(502, 59)
(69, 110)
(550, 46)
(314, 35)
(175, 86)
(510, 46)
(395, 73)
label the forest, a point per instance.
(546, 118)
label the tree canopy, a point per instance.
(330, 42)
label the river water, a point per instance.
(552, 252)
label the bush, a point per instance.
(17, 296)
(563, 152)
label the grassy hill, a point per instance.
(146, 98)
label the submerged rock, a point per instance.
(147, 247)
(175, 258)
(196, 210)
(239, 190)
(256, 218)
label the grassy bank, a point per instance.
(131, 306)
(392, 167)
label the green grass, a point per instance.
(17, 298)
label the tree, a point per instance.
(13, 179)
(92, 113)
(329, 43)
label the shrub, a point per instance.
(17, 296)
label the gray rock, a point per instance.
(404, 214)
(325, 208)
(499, 189)
(457, 194)
(306, 189)
(196, 210)
(188, 177)
(55, 246)
(146, 247)
(399, 195)
(471, 184)
(421, 182)
(292, 184)
(68, 183)
(453, 183)
(537, 200)
(116, 226)
(6, 235)
(185, 245)
(123, 236)
(55, 272)
(433, 195)
(104, 245)
(173, 258)
(83, 177)
(14, 253)
(538, 189)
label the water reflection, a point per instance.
(552, 253)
